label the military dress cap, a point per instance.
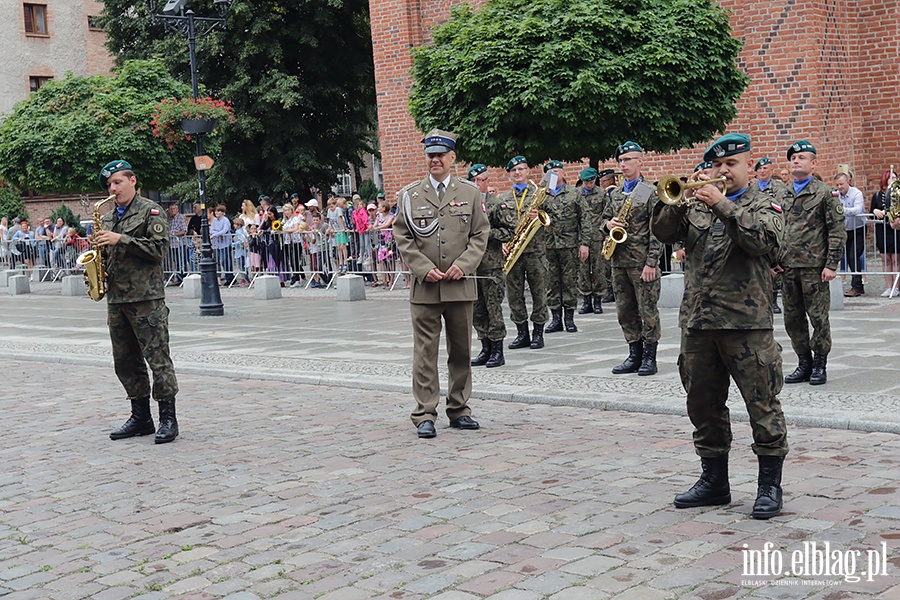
(703, 165)
(516, 160)
(553, 164)
(605, 172)
(728, 145)
(628, 147)
(588, 174)
(800, 146)
(475, 171)
(438, 142)
(762, 162)
(110, 168)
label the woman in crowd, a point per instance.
(384, 221)
(272, 255)
(292, 232)
(885, 237)
(249, 213)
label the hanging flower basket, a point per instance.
(175, 120)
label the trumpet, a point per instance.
(670, 189)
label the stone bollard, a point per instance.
(836, 288)
(191, 286)
(267, 287)
(671, 290)
(5, 275)
(73, 285)
(18, 284)
(351, 288)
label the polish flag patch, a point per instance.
(483, 207)
(154, 212)
(776, 207)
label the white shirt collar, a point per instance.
(435, 182)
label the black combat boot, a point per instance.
(586, 305)
(711, 489)
(537, 336)
(818, 375)
(598, 307)
(521, 340)
(484, 355)
(633, 362)
(139, 423)
(609, 297)
(775, 308)
(496, 359)
(168, 424)
(803, 370)
(768, 496)
(569, 320)
(648, 360)
(555, 323)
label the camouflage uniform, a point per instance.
(594, 273)
(814, 239)
(775, 189)
(570, 227)
(636, 300)
(488, 312)
(136, 308)
(532, 265)
(726, 317)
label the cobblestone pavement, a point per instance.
(295, 491)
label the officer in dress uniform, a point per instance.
(813, 246)
(134, 240)
(591, 280)
(731, 242)
(635, 264)
(441, 232)
(775, 189)
(488, 313)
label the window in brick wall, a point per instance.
(36, 19)
(94, 23)
(344, 186)
(35, 83)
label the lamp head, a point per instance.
(174, 7)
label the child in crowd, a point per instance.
(317, 250)
(254, 248)
(239, 250)
(337, 229)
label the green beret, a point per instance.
(516, 160)
(553, 164)
(762, 162)
(588, 174)
(626, 148)
(703, 165)
(475, 171)
(605, 172)
(110, 168)
(800, 146)
(728, 145)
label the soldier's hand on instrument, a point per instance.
(614, 222)
(708, 194)
(453, 273)
(777, 270)
(434, 275)
(583, 253)
(648, 274)
(533, 214)
(828, 274)
(107, 238)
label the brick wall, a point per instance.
(824, 70)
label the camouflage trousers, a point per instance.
(594, 274)
(636, 304)
(533, 268)
(139, 332)
(562, 273)
(804, 294)
(753, 359)
(488, 311)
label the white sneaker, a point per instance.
(886, 293)
(296, 284)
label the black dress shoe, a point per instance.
(465, 422)
(426, 429)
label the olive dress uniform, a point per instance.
(433, 232)
(570, 227)
(592, 278)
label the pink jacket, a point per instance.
(361, 220)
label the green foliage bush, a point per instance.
(12, 204)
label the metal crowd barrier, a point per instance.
(52, 258)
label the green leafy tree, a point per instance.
(299, 75)
(368, 191)
(12, 204)
(566, 79)
(57, 140)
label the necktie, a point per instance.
(440, 191)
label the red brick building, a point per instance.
(824, 70)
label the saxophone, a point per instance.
(526, 229)
(92, 260)
(617, 235)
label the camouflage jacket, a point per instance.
(502, 218)
(641, 248)
(595, 201)
(570, 221)
(775, 189)
(814, 227)
(516, 201)
(728, 253)
(134, 271)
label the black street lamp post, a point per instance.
(175, 18)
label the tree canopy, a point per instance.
(57, 140)
(299, 75)
(568, 79)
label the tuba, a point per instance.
(527, 227)
(92, 260)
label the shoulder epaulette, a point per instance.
(467, 182)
